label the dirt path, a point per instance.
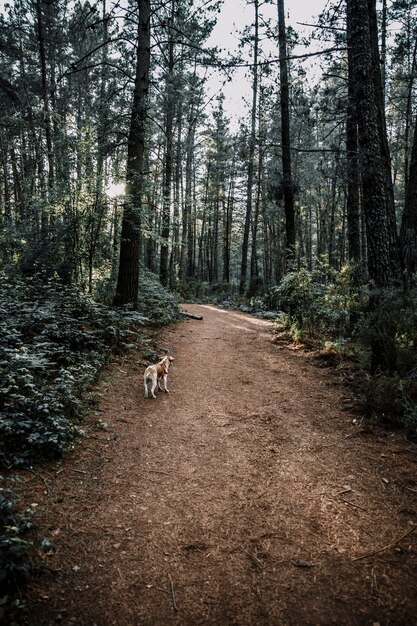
(241, 498)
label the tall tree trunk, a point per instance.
(187, 227)
(254, 270)
(408, 233)
(250, 171)
(333, 207)
(374, 163)
(127, 289)
(285, 138)
(227, 228)
(45, 94)
(353, 181)
(175, 249)
(409, 114)
(393, 240)
(169, 126)
(383, 44)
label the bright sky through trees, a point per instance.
(234, 16)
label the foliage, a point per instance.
(319, 303)
(54, 341)
(395, 318)
(158, 304)
(327, 307)
(14, 562)
(222, 293)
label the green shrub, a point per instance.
(319, 303)
(222, 293)
(14, 562)
(328, 307)
(158, 304)
(54, 341)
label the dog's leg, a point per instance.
(165, 382)
(154, 385)
(159, 383)
(145, 382)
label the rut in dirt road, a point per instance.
(235, 499)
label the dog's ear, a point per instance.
(171, 358)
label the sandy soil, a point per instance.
(246, 496)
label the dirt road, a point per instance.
(243, 497)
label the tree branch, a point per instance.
(270, 61)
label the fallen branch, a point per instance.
(48, 489)
(390, 545)
(192, 316)
(353, 504)
(173, 598)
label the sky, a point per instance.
(234, 16)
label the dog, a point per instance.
(156, 373)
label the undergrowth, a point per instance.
(54, 341)
(15, 563)
(328, 309)
(159, 305)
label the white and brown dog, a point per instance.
(157, 373)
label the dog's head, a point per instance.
(167, 360)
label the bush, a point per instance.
(319, 303)
(158, 304)
(54, 341)
(222, 293)
(14, 563)
(327, 307)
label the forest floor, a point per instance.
(250, 495)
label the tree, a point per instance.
(287, 182)
(127, 289)
(251, 155)
(377, 190)
(408, 233)
(352, 171)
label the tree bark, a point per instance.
(127, 289)
(378, 205)
(408, 232)
(227, 227)
(169, 125)
(374, 156)
(45, 94)
(250, 170)
(353, 182)
(288, 184)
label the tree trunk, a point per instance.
(175, 249)
(285, 138)
(227, 228)
(374, 161)
(45, 94)
(250, 171)
(254, 269)
(127, 289)
(169, 125)
(353, 182)
(187, 257)
(408, 233)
